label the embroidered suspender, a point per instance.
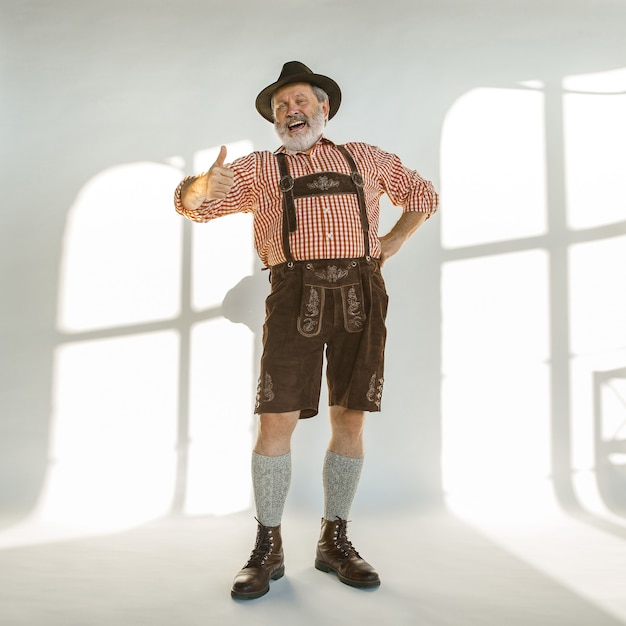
(326, 183)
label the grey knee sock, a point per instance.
(340, 477)
(271, 476)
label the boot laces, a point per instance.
(341, 538)
(263, 546)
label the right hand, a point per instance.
(216, 183)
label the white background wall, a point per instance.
(129, 342)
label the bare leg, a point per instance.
(274, 434)
(347, 432)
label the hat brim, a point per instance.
(264, 99)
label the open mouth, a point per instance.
(296, 125)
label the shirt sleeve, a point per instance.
(405, 187)
(242, 197)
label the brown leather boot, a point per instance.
(265, 563)
(336, 554)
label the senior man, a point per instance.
(316, 212)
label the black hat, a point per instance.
(296, 72)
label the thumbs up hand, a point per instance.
(219, 179)
(213, 185)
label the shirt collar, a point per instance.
(321, 141)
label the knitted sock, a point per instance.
(271, 476)
(340, 477)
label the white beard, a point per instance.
(305, 139)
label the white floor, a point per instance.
(436, 570)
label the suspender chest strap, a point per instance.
(319, 184)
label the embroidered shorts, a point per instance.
(337, 307)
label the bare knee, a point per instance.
(274, 433)
(347, 431)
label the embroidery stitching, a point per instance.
(332, 274)
(375, 391)
(265, 390)
(309, 323)
(323, 183)
(354, 319)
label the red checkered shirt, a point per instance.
(329, 227)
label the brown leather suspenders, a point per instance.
(319, 184)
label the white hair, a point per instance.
(320, 94)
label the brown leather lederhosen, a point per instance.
(337, 303)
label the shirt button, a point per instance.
(329, 235)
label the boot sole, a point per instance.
(253, 595)
(359, 584)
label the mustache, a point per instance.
(299, 117)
